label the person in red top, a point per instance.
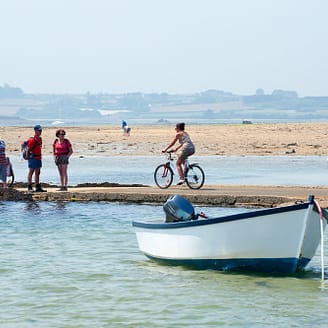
(62, 150)
(34, 146)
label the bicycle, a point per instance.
(10, 173)
(194, 174)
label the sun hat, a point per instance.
(38, 127)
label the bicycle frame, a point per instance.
(170, 159)
(186, 164)
(167, 165)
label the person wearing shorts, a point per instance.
(62, 150)
(33, 153)
(186, 147)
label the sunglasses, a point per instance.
(61, 134)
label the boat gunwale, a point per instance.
(228, 218)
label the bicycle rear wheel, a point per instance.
(195, 177)
(163, 176)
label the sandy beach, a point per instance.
(290, 139)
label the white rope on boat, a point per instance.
(322, 242)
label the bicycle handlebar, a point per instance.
(168, 154)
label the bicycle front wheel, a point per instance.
(195, 177)
(163, 176)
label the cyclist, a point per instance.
(187, 148)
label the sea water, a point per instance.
(73, 264)
(78, 264)
(236, 170)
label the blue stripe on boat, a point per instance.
(273, 265)
(233, 217)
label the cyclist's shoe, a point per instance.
(180, 182)
(30, 188)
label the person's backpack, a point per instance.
(24, 149)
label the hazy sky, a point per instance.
(175, 46)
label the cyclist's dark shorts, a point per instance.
(34, 163)
(185, 153)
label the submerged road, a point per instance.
(216, 195)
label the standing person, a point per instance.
(124, 125)
(126, 129)
(62, 150)
(33, 153)
(3, 164)
(187, 148)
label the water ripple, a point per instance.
(78, 265)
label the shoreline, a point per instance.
(210, 195)
(261, 139)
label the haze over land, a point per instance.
(210, 106)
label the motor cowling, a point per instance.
(177, 208)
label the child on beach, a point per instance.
(187, 148)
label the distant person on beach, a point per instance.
(34, 156)
(125, 128)
(3, 164)
(62, 150)
(186, 146)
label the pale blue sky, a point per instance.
(175, 46)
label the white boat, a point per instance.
(281, 239)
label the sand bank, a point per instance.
(307, 139)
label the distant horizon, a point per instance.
(156, 92)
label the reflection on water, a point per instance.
(33, 208)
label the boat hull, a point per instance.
(282, 240)
(279, 265)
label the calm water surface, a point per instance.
(236, 170)
(78, 265)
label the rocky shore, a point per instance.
(225, 196)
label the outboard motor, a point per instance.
(178, 208)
